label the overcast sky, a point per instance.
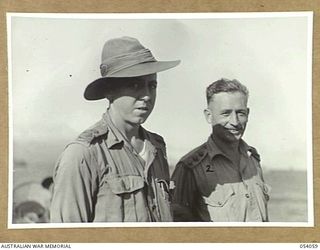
(53, 60)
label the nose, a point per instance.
(233, 119)
(146, 92)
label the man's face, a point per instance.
(134, 100)
(227, 112)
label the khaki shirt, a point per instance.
(210, 188)
(100, 178)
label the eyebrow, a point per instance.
(225, 110)
(230, 110)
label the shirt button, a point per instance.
(247, 196)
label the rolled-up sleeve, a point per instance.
(75, 186)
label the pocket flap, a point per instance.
(125, 184)
(219, 196)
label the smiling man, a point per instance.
(221, 180)
(116, 171)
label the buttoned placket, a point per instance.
(251, 204)
(253, 213)
(151, 155)
(152, 203)
(242, 168)
(141, 166)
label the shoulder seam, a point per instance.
(97, 130)
(194, 157)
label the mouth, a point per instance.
(235, 131)
(144, 108)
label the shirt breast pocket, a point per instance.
(218, 203)
(220, 196)
(121, 198)
(125, 184)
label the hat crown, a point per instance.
(124, 57)
(120, 46)
(121, 53)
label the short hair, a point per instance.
(225, 85)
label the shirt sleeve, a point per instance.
(75, 185)
(184, 194)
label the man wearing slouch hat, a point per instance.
(117, 171)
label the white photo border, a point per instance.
(310, 194)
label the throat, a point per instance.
(137, 143)
(231, 149)
(128, 130)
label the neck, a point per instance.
(230, 148)
(129, 130)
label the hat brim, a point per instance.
(94, 91)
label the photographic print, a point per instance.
(160, 120)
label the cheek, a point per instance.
(153, 95)
(219, 120)
(243, 120)
(124, 104)
(153, 99)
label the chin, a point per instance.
(230, 137)
(141, 121)
(238, 137)
(138, 121)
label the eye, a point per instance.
(153, 85)
(242, 113)
(135, 85)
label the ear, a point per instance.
(208, 115)
(109, 97)
(248, 111)
(108, 103)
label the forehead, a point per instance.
(228, 99)
(129, 85)
(119, 84)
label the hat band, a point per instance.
(118, 63)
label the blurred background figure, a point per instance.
(47, 183)
(30, 212)
(31, 198)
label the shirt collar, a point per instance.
(149, 137)
(214, 150)
(115, 137)
(244, 147)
